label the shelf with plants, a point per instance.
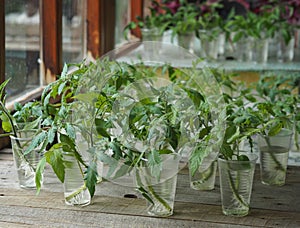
(269, 22)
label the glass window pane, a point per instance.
(122, 18)
(73, 30)
(22, 45)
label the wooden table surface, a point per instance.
(270, 206)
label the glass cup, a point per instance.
(204, 177)
(236, 179)
(274, 153)
(159, 192)
(152, 38)
(25, 161)
(75, 191)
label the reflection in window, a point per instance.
(22, 45)
(73, 30)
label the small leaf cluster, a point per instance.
(156, 19)
(263, 22)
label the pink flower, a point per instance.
(173, 5)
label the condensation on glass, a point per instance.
(73, 30)
(22, 45)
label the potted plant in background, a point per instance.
(251, 34)
(153, 25)
(286, 16)
(210, 27)
(22, 134)
(184, 24)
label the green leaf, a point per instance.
(88, 98)
(234, 136)
(55, 158)
(67, 142)
(115, 146)
(165, 151)
(51, 134)
(91, 178)
(6, 126)
(154, 158)
(36, 141)
(243, 158)
(111, 162)
(275, 128)
(64, 71)
(155, 163)
(196, 158)
(70, 130)
(61, 88)
(101, 126)
(226, 151)
(123, 170)
(68, 145)
(32, 125)
(39, 174)
(105, 158)
(2, 88)
(119, 83)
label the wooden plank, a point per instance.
(100, 27)
(93, 28)
(108, 23)
(270, 206)
(283, 198)
(35, 210)
(51, 29)
(72, 218)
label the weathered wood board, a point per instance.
(270, 206)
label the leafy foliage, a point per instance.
(265, 108)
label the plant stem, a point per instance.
(152, 193)
(14, 133)
(279, 165)
(296, 140)
(208, 172)
(14, 130)
(234, 190)
(158, 198)
(78, 191)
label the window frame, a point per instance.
(99, 37)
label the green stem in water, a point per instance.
(278, 164)
(14, 133)
(209, 171)
(234, 189)
(77, 192)
(296, 135)
(159, 199)
(151, 192)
